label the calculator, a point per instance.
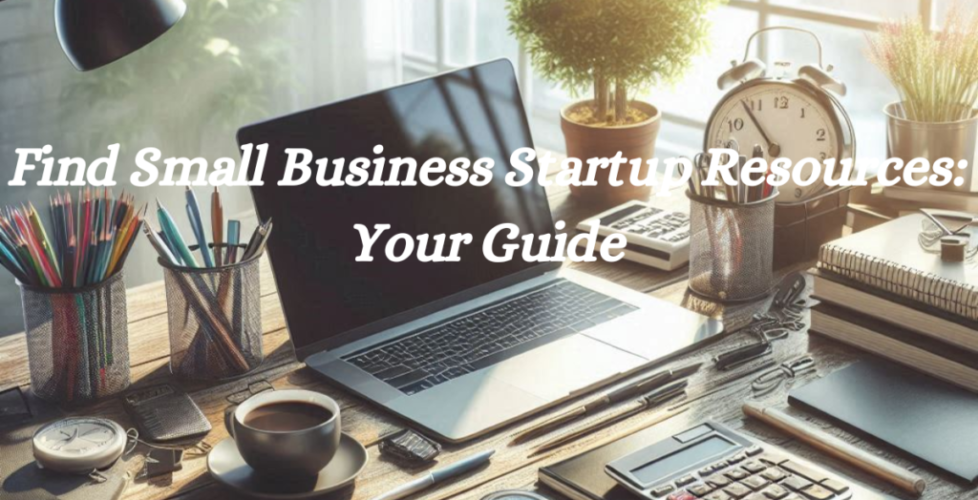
(712, 462)
(654, 237)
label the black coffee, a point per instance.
(284, 416)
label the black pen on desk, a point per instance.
(630, 389)
(437, 476)
(650, 400)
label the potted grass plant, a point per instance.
(615, 49)
(935, 74)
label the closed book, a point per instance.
(920, 352)
(934, 198)
(888, 257)
(896, 309)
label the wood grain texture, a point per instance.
(510, 467)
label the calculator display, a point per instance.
(683, 459)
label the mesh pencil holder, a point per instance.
(731, 248)
(77, 341)
(215, 319)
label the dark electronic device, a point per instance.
(713, 459)
(410, 448)
(165, 413)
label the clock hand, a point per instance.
(773, 148)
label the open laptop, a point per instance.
(458, 348)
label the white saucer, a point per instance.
(228, 468)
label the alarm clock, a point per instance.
(793, 118)
(79, 445)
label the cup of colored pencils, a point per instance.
(213, 292)
(73, 291)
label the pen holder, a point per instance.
(77, 341)
(731, 248)
(215, 319)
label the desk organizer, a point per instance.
(800, 228)
(215, 319)
(77, 341)
(730, 248)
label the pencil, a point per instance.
(234, 235)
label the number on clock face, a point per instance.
(785, 121)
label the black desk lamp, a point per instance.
(94, 33)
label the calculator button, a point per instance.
(736, 474)
(756, 482)
(753, 466)
(706, 471)
(754, 450)
(737, 490)
(740, 457)
(795, 483)
(774, 475)
(700, 489)
(719, 466)
(803, 471)
(816, 492)
(683, 481)
(682, 495)
(775, 492)
(717, 495)
(718, 481)
(661, 491)
(834, 486)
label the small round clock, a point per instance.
(789, 118)
(79, 445)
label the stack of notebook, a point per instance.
(882, 292)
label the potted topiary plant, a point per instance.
(616, 48)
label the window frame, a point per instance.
(765, 10)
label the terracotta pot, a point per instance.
(634, 141)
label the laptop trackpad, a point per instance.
(467, 405)
(572, 364)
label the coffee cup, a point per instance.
(291, 433)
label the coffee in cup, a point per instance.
(291, 433)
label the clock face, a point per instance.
(76, 437)
(786, 120)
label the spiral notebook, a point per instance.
(888, 257)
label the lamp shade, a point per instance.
(94, 33)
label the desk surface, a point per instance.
(510, 466)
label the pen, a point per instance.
(257, 245)
(837, 448)
(217, 225)
(169, 228)
(640, 385)
(650, 400)
(193, 213)
(437, 476)
(234, 236)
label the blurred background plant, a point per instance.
(615, 47)
(935, 73)
(210, 69)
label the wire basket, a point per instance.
(731, 248)
(215, 319)
(77, 341)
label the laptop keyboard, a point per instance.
(424, 359)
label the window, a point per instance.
(441, 35)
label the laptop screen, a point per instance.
(472, 113)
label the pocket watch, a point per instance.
(793, 118)
(79, 445)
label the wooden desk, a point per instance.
(510, 466)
